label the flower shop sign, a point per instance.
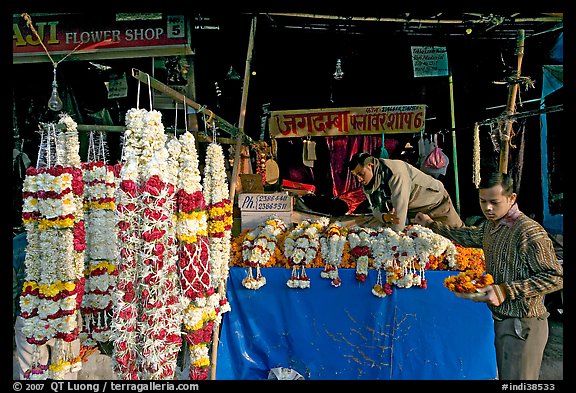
(347, 121)
(89, 38)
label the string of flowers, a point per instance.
(261, 148)
(332, 243)
(53, 218)
(456, 258)
(194, 260)
(101, 251)
(125, 337)
(383, 247)
(360, 240)
(258, 248)
(220, 219)
(301, 246)
(157, 266)
(219, 206)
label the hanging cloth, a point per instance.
(383, 151)
(308, 153)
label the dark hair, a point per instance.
(498, 178)
(358, 159)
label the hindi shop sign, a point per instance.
(347, 121)
(89, 38)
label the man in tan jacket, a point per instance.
(396, 191)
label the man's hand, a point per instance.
(422, 219)
(391, 217)
(494, 295)
(387, 218)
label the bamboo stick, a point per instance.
(106, 128)
(222, 284)
(511, 105)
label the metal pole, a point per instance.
(454, 150)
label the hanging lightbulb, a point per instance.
(55, 103)
(338, 74)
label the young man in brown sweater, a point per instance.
(521, 258)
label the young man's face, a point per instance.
(494, 203)
(363, 173)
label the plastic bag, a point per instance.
(436, 159)
(284, 374)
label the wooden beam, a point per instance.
(179, 97)
(105, 128)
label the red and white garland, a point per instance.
(125, 335)
(194, 260)
(360, 241)
(158, 277)
(101, 248)
(53, 218)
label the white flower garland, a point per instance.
(101, 252)
(258, 247)
(301, 247)
(53, 218)
(332, 247)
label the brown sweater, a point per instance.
(521, 259)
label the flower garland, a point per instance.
(262, 149)
(332, 245)
(220, 220)
(157, 265)
(258, 248)
(101, 252)
(53, 218)
(194, 260)
(301, 246)
(125, 331)
(360, 240)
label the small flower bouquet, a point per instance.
(466, 283)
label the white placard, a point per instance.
(429, 61)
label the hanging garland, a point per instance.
(101, 248)
(53, 218)
(126, 308)
(194, 259)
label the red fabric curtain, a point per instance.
(342, 148)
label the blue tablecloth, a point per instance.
(345, 333)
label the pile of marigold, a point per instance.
(468, 281)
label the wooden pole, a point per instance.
(222, 284)
(238, 147)
(511, 105)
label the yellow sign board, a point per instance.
(347, 121)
